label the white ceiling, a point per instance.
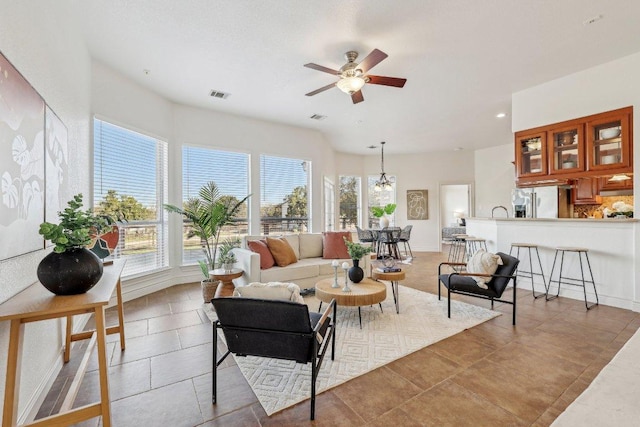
(462, 59)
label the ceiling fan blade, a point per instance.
(373, 59)
(357, 97)
(386, 81)
(321, 68)
(322, 89)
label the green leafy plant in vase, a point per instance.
(72, 268)
(381, 213)
(356, 252)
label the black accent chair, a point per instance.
(405, 236)
(275, 329)
(461, 283)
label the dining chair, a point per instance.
(405, 235)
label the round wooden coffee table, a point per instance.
(393, 277)
(226, 277)
(367, 292)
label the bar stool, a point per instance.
(570, 280)
(473, 244)
(457, 248)
(529, 274)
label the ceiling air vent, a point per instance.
(217, 94)
(318, 117)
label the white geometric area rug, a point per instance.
(384, 337)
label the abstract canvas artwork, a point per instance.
(417, 204)
(56, 164)
(22, 180)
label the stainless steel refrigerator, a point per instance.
(541, 202)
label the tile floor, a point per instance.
(493, 374)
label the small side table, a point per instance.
(394, 278)
(226, 277)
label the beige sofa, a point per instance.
(310, 267)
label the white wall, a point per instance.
(419, 171)
(605, 87)
(454, 198)
(495, 178)
(44, 48)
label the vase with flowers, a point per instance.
(356, 252)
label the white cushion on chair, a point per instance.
(271, 291)
(485, 263)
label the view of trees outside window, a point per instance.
(135, 189)
(379, 198)
(349, 202)
(230, 171)
(284, 198)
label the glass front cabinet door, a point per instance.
(531, 154)
(566, 150)
(609, 142)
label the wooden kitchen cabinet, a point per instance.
(531, 153)
(585, 192)
(609, 146)
(587, 147)
(606, 185)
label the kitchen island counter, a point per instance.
(610, 241)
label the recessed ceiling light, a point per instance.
(501, 115)
(458, 149)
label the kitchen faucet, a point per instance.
(499, 207)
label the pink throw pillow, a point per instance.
(260, 247)
(333, 246)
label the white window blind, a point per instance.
(284, 195)
(130, 175)
(350, 194)
(230, 171)
(379, 198)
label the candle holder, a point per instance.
(345, 267)
(335, 265)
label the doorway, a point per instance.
(456, 204)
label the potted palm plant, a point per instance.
(208, 214)
(72, 268)
(227, 258)
(381, 213)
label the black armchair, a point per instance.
(275, 329)
(462, 283)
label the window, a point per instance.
(329, 205)
(379, 198)
(350, 188)
(230, 171)
(130, 176)
(284, 195)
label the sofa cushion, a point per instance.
(333, 246)
(282, 251)
(294, 242)
(270, 290)
(260, 247)
(310, 245)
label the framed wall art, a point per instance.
(417, 204)
(22, 180)
(56, 165)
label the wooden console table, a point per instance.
(36, 303)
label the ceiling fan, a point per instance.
(353, 76)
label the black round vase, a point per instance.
(356, 274)
(72, 272)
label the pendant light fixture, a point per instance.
(383, 183)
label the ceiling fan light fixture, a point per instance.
(350, 85)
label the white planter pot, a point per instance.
(384, 222)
